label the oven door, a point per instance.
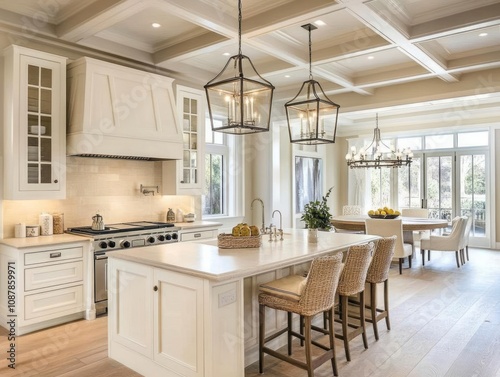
(100, 277)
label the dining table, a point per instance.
(410, 224)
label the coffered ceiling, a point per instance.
(417, 62)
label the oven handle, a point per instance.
(100, 256)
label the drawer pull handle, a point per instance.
(197, 235)
(55, 255)
(155, 288)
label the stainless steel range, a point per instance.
(121, 236)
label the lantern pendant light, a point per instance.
(239, 99)
(311, 115)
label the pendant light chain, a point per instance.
(239, 27)
(310, 55)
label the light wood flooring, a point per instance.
(445, 322)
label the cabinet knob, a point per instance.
(55, 181)
(155, 288)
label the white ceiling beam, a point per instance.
(98, 16)
(382, 26)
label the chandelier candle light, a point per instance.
(239, 99)
(377, 154)
(311, 115)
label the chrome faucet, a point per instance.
(263, 228)
(280, 230)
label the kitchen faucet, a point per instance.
(263, 228)
(280, 230)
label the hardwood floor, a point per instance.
(445, 322)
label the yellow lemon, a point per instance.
(236, 231)
(371, 212)
(254, 230)
(383, 213)
(245, 231)
(391, 211)
(397, 213)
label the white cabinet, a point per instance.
(186, 177)
(157, 314)
(122, 112)
(34, 124)
(50, 285)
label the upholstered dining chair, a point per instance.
(410, 236)
(465, 243)
(450, 242)
(378, 272)
(306, 296)
(391, 227)
(351, 210)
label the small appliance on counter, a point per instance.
(97, 222)
(189, 217)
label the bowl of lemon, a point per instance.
(383, 213)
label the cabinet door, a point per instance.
(178, 306)
(130, 300)
(185, 177)
(35, 125)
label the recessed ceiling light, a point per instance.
(319, 23)
(226, 54)
(287, 76)
(483, 34)
(155, 24)
(371, 57)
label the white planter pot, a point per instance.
(312, 236)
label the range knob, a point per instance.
(168, 237)
(175, 236)
(161, 238)
(111, 243)
(125, 244)
(151, 240)
(103, 244)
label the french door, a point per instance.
(449, 184)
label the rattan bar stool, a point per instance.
(352, 282)
(378, 272)
(306, 296)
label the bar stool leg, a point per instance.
(386, 303)
(307, 329)
(331, 335)
(289, 333)
(373, 307)
(262, 330)
(362, 317)
(344, 319)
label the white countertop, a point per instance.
(56, 239)
(205, 259)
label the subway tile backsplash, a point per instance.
(109, 186)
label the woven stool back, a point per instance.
(378, 271)
(322, 281)
(353, 277)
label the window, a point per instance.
(216, 156)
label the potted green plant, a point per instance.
(317, 215)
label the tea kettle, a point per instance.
(98, 222)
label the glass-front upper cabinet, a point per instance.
(185, 177)
(190, 116)
(35, 143)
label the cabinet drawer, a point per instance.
(201, 235)
(48, 276)
(60, 301)
(53, 255)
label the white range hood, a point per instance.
(120, 112)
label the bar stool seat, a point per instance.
(306, 296)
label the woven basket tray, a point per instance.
(228, 241)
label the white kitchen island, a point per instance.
(190, 309)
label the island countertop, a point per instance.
(206, 260)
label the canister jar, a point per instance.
(46, 225)
(32, 230)
(58, 221)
